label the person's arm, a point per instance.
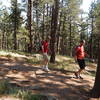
(76, 51)
(75, 58)
(86, 55)
(49, 50)
(42, 48)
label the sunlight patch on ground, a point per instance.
(8, 98)
(62, 58)
(38, 56)
(16, 76)
(10, 64)
(11, 54)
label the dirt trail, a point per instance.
(55, 83)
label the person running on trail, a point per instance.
(79, 57)
(45, 45)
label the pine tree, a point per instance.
(15, 18)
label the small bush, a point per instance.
(13, 91)
(8, 55)
(4, 86)
(26, 95)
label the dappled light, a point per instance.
(57, 82)
(49, 49)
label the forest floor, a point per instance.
(25, 71)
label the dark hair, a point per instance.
(82, 41)
(48, 37)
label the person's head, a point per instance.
(82, 42)
(48, 38)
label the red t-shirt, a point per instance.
(45, 46)
(80, 53)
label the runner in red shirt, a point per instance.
(45, 54)
(79, 57)
(45, 46)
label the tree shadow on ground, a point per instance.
(58, 83)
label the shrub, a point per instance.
(4, 86)
(26, 95)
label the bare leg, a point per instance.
(77, 74)
(80, 71)
(45, 63)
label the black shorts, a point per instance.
(81, 63)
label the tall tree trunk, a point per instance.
(54, 23)
(47, 9)
(70, 38)
(63, 37)
(29, 14)
(3, 36)
(62, 46)
(48, 24)
(59, 29)
(5, 40)
(43, 22)
(91, 39)
(37, 19)
(58, 34)
(96, 89)
(15, 27)
(82, 32)
(1, 41)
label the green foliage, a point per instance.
(69, 11)
(97, 14)
(26, 95)
(94, 21)
(69, 8)
(4, 86)
(13, 91)
(15, 15)
(9, 56)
